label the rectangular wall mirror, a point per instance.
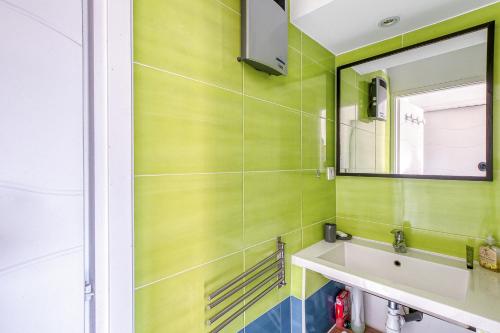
(423, 111)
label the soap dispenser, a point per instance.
(489, 255)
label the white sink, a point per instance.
(413, 269)
(438, 285)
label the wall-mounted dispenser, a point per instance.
(264, 35)
(377, 108)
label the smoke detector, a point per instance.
(389, 21)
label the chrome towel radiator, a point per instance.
(274, 263)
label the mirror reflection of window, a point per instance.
(422, 111)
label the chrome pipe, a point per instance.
(241, 276)
(245, 307)
(240, 299)
(246, 283)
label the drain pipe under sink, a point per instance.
(395, 320)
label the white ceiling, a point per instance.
(446, 46)
(458, 97)
(345, 25)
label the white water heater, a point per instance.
(264, 35)
(378, 104)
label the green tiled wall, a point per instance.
(437, 215)
(225, 158)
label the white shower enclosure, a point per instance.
(65, 186)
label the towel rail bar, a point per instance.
(241, 276)
(254, 273)
(245, 307)
(245, 283)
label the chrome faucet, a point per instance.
(399, 241)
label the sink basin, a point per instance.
(417, 270)
(435, 284)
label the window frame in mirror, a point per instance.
(490, 49)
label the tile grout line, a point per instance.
(159, 69)
(318, 222)
(243, 183)
(285, 107)
(188, 174)
(318, 63)
(217, 173)
(416, 228)
(301, 141)
(187, 270)
(226, 6)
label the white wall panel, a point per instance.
(41, 115)
(37, 224)
(41, 174)
(44, 296)
(64, 16)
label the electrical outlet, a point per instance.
(330, 173)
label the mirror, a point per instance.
(423, 111)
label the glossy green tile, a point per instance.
(314, 282)
(189, 132)
(465, 208)
(294, 36)
(370, 199)
(197, 39)
(253, 255)
(204, 135)
(183, 221)
(318, 198)
(284, 90)
(317, 90)
(272, 136)
(296, 282)
(449, 244)
(233, 4)
(483, 15)
(178, 304)
(318, 142)
(312, 234)
(349, 76)
(293, 244)
(331, 143)
(376, 231)
(272, 204)
(318, 53)
(313, 142)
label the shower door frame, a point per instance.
(109, 170)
